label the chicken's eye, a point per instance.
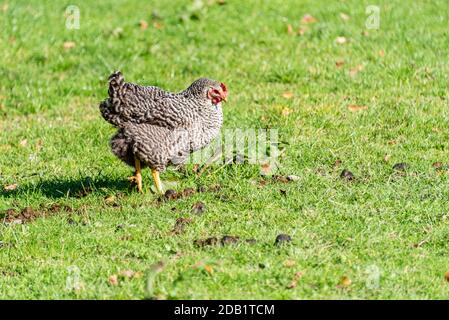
(213, 93)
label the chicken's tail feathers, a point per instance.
(116, 82)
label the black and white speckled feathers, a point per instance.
(159, 127)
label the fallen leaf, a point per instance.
(157, 25)
(143, 25)
(69, 45)
(344, 16)
(353, 72)
(301, 31)
(340, 40)
(287, 95)
(345, 282)
(109, 199)
(298, 275)
(381, 53)
(113, 280)
(11, 187)
(446, 276)
(289, 263)
(126, 274)
(354, 107)
(339, 63)
(24, 142)
(265, 169)
(292, 285)
(307, 19)
(289, 29)
(365, 33)
(286, 111)
(337, 163)
(437, 165)
(208, 269)
(387, 157)
(392, 142)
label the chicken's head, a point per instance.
(208, 89)
(216, 94)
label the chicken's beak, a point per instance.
(223, 96)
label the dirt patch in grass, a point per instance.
(28, 214)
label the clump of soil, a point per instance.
(206, 242)
(282, 239)
(174, 195)
(224, 241)
(180, 225)
(199, 208)
(347, 175)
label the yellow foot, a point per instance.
(157, 181)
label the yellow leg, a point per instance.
(137, 178)
(157, 180)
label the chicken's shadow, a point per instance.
(70, 187)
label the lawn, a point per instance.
(342, 95)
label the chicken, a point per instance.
(157, 128)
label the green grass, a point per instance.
(49, 96)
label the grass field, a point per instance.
(342, 97)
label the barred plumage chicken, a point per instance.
(157, 128)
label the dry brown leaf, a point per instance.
(287, 95)
(292, 285)
(345, 282)
(353, 72)
(392, 142)
(127, 274)
(289, 263)
(298, 275)
(289, 29)
(446, 276)
(387, 157)
(339, 63)
(109, 199)
(437, 165)
(208, 269)
(341, 40)
(365, 33)
(301, 31)
(286, 112)
(11, 187)
(113, 280)
(24, 142)
(307, 18)
(143, 25)
(69, 45)
(265, 169)
(354, 107)
(157, 25)
(381, 53)
(344, 16)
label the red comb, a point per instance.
(223, 87)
